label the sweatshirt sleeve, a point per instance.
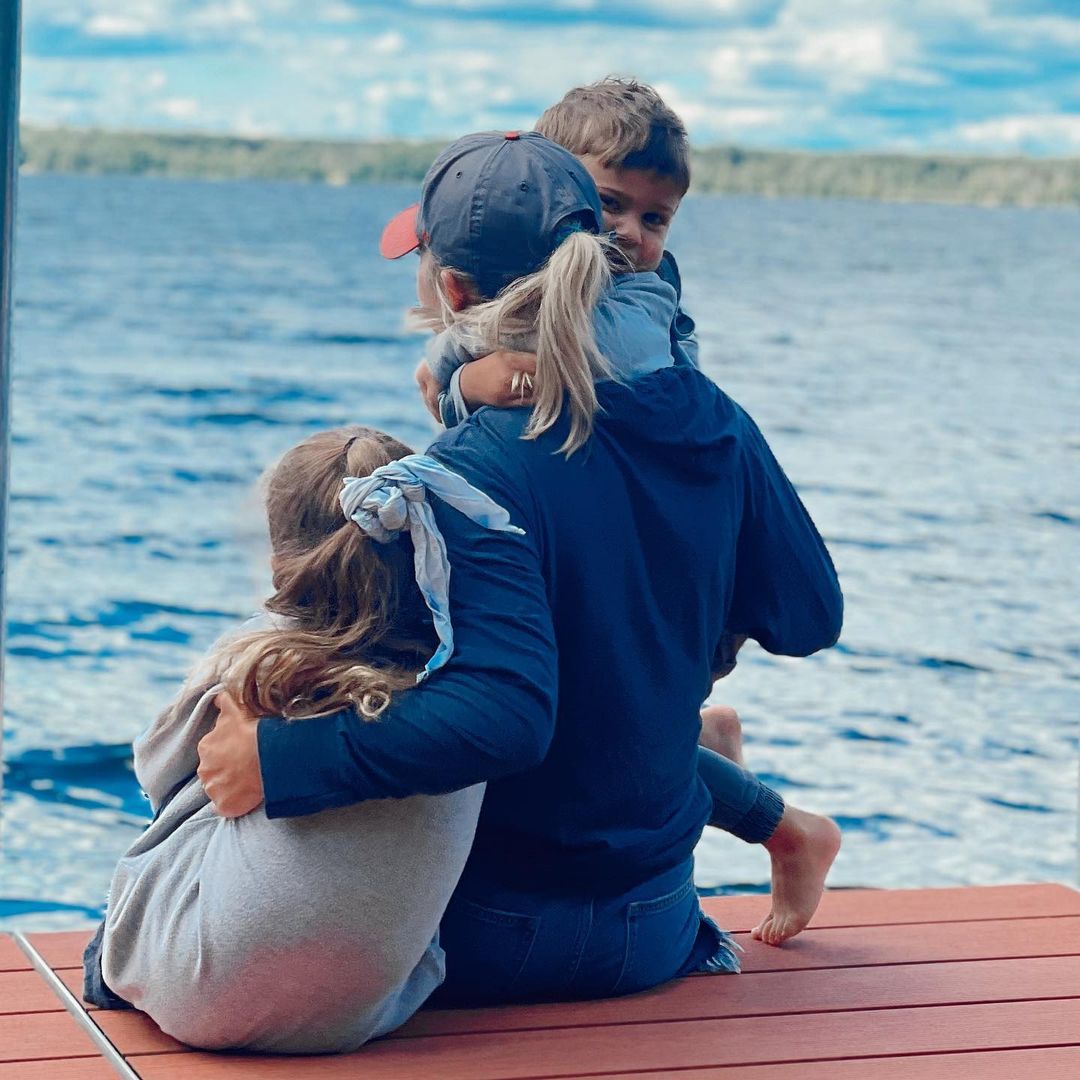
(453, 408)
(683, 334)
(786, 596)
(489, 713)
(444, 356)
(166, 753)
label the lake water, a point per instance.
(914, 367)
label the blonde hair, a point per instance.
(624, 123)
(356, 629)
(550, 313)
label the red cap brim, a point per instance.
(399, 236)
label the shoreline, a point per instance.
(724, 170)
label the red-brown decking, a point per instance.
(963, 984)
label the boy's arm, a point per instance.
(786, 595)
(453, 408)
(490, 712)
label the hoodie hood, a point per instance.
(678, 413)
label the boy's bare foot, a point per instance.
(802, 849)
(721, 731)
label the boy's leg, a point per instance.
(742, 804)
(802, 849)
(721, 731)
(801, 845)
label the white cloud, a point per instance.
(178, 108)
(1055, 133)
(117, 26)
(388, 44)
(857, 52)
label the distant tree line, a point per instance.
(1021, 181)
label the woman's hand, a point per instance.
(502, 379)
(229, 760)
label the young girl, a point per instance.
(314, 934)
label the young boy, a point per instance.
(635, 148)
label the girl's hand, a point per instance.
(229, 760)
(429, 389)
(502, 379)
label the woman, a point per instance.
(657, 527)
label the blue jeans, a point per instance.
(505, 945)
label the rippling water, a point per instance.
(914, 367)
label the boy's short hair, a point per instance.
(624, 123)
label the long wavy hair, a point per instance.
(353, 627)
(550, 313)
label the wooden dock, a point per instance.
(963, 984)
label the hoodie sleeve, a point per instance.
(684, 342)
(489, 713)
(453, 408)
(786, 596)
(444, 356)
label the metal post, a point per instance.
(9, 137)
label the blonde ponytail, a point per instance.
(550, 313)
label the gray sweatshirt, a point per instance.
(298, 935)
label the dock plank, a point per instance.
(12, 958)
(42, 1036)
(858, 946)
(675, 1046)
(85, 1068)
(775, 993)
(26, 992)
(1055, 1063)
(869, 907)
(63, 949)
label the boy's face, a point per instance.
(638, 207)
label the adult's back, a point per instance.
(672, 527)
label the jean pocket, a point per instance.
(486, 952)
(660, 934)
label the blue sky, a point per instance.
(954, 75)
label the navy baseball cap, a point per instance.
(495, 205)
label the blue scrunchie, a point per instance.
(394, 498)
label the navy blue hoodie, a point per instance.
(584, 649)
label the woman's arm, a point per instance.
(490, 712)
(787, 596)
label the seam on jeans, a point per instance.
(499, 918)
(635, 910)
(661, 903)
(528, 925)
(579, 945)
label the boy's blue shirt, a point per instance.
(584, 648)
(684, 342)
